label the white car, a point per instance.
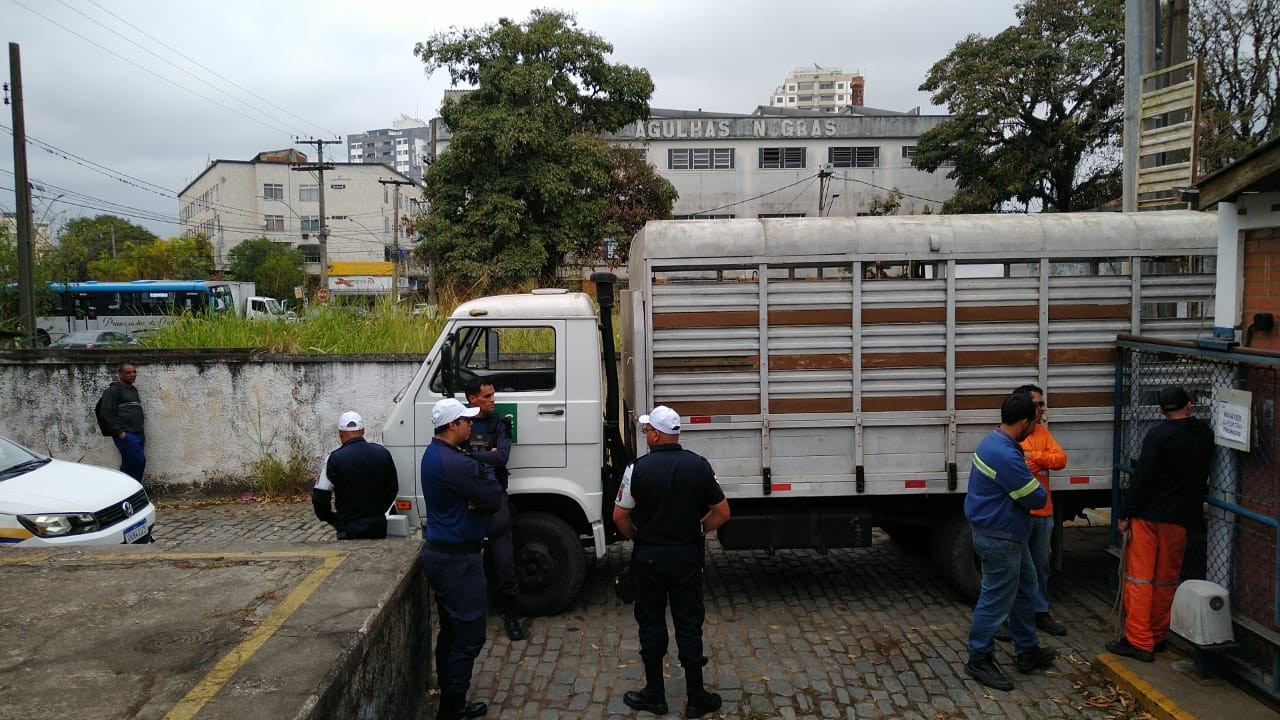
(48, 503)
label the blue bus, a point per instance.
(132, 307)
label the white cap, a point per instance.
(448, 410)
(663, 419)
(350, 421)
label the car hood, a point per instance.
(60, 486)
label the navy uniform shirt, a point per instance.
(451, 479)
(362, 478)
(668, 492)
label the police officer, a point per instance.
(363, 478)
(490, 443)
(460, 495)
(668, 499)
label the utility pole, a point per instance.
(395, 235)
(824, 173)
(22, 189)
(319, 166)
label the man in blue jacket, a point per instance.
(360, 478)
(460, 495)
(1002, 492)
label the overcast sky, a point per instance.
(258, 73)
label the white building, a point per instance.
(819, 88)
(236, 200)
(403, 146)
(774, 162)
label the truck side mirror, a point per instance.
(448, 365)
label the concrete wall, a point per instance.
(210, 414)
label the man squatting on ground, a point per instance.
(360, 478)
(1001, 494)
(1164, 499)
(490, 443)
(460, 493)
(668, 499)
(122, 409)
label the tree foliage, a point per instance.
(1038, 110)
(84, 240)
(525, 178)
(1239, 42)
(175, 258)
(636, 195)
(275, 269)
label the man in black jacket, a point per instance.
(121, 408)
(1165, 497)
(363, 478)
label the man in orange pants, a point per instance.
(1165, 497)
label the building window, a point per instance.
(274, 223)
(804, 98)
(700, 159)
(272, 191)
(855, 157)
(827, 97)
(826, 86)
(703, 217)
(791, 88)
(775, 158)
(766, 216)
(309, 193)
(839, 86)
(791, 99)
(310, 223)
(804, 86)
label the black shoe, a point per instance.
(1159, 647)
(511, 624)
(1122, 647)
(1003, 633)
(986, 672)
(475, 709)
(1037, 658)
(1045, 622)
(647, 700)
(700, 703)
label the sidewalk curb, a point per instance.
(1154, 701)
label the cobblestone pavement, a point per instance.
(863, 633)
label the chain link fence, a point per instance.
(1238, 548)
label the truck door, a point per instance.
(525, 364)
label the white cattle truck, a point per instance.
(248, 304)
(836, 372)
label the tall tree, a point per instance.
(1038, 110)
(1239, 42)
(84, 240)
(274, 269)
(525, 177)
(175, 258)
(636, 195)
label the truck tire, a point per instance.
(550, 563)
(953, 555)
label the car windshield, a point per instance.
(13, 456)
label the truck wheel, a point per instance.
(953, 554)
(550, 563)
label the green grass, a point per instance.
(325, 330)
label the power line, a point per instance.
(878, 187)
(208, 69)
(150, 71)
(757, 197)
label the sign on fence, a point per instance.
(1231, 416)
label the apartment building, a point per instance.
(403, 146)
(817, 88)
(235, 200)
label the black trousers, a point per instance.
(669, 575)
(457, 579)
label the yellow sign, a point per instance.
(366, 267)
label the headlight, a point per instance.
(59, 525)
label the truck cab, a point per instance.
(540, 351)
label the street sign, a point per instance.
(323, 294)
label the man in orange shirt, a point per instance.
(1043, 454)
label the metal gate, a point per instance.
(1239, 548)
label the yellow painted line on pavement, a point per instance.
(204, 691)
(1154, 701)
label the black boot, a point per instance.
(452, 707)
(700, 701)
(653, 698)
